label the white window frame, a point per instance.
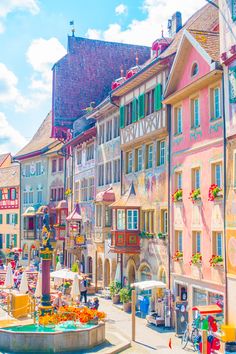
(131, 214)
(220, 176)
(198, 238)
(120, 219)
(219, 236)
(129, 162)
(149, 156)
(162, 152)
(180, 243)
(139, 159)
(219, 102)
(165, 221)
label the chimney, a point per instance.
(175, 24)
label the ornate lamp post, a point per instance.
(46, 252)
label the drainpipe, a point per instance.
(225, 190)
(169, 192)
(20, 198)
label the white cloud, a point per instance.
(145, 31)
(121, 9)
(9, 92)
(42, 54)
(10, 138)
(8, 6)
(93, 33)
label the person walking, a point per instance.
(83, 289)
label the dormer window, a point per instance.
(194, 70)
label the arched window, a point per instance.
(194, 70)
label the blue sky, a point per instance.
(33, 35)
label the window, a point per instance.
(215, 104)
(161, 148)
(129, 162)
(27, 170)
(149, 106)
(149, 157)
(138, 159)
(196, 178)
(108, 172)
(109, 130)
(101, 136)
(13, 194)
(116, 127)
(194, 70)
(120, 219)
(217, 174)
(84, 190)
(233, 9)
(148, 221)
(128, 114)
(60, 193)
(232, 80)
(60, 164)
(1, 219)
(79, 157)
(98, 215)
(0, 194)
(11, 219)
(116, 170)
(195, 113)
(217, 244)
(90, 152)
(54, 165)
(108, 216)
(31, 197)
(164, 221)
(25, 197)
(178, 123)
(179, 241)
(100, 175)
(53, 194)
(132, 219)
(77, 191)
(39, 196)
(196, 242)
(91, 189)
(38, 168)
(178, 180)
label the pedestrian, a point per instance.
(58, 301)
(83, 289)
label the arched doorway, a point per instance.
(90, 266)
(145, 272)
(162, 275)
(100, 271)
(107, 275)
(131, 271)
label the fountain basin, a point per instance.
(34, 339)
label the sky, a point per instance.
(33, 36)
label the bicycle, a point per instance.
(190, 336)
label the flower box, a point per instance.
(216, 261)
(145, 234)
(177, 196)
(195, 195)
(215, 192)
(196, 259)
(178, 256)
(161, 236)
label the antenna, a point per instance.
(72, 28)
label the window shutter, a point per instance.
(7, 241)
(8, 218)
(0, 194)
(16, 219)
(134, 110)
(0, 220)
(15, 240)
(8, 194)
(141, 106)
(122, 117)
(1, 243)
(158, 97)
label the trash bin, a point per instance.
(144, 306)
(230, 347)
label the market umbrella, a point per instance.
(38, 290)
(9, 282)
(75, 288)
(118, 273)
(24, 287)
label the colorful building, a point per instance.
(194, 94)
(9, 203)
(228, 59)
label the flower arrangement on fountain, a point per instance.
(177, 196)
(178, 256)
(196, 259)
(214, 192)
(195, 195)
(69, 313)
(216, 261)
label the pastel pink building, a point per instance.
(196, 158)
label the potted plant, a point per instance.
(67, 287)
(178, 256)
(145, 234)
(214, 192)
(196, 259)
(177, 196)
(75, 267)
(195, 195)
(216, 261)
(114, 291)
(161, 236)
(125, 297)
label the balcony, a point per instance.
(154, 123)
(125, 242)
(29, 234)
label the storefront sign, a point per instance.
(80, 240)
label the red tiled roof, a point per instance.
(209, 41)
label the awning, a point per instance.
(41, 209)
(62, 205)
(207, 309)
(106, 196)
(63, 274)
(30, 211)
(149, 284)
(75, 214)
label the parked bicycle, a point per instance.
(190, 336)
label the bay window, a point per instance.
(132, 219)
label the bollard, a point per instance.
(133, 313)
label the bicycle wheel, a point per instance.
(184, 340)
(194, 335)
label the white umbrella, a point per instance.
(9, 282)
(38, 290)
(58, 266)
(75, 287)
(63, 274)
(118, 273)
(24, 287)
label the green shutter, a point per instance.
(0, 194)
(158, 97)
(134, 110)
(122, 117)
(8, 218)
(1, 243)
(8, 241)
(16, 219)
(8, 194)
(15, 240)
(0, 218)
(141, 106)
